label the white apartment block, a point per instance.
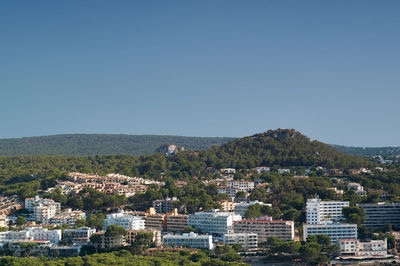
(191, 240)
(230, 191)
(67, 217)
(357, 248)
(43, 212)
(213, 222)
(30, 203)
(29, 234)
(246, 240)
(127, 221)
(264, 229)
(241, 185)
(358, 189)
(242, 207)
(320, 212)
(334, 231)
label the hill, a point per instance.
(283, 147)
(101, 144)
(368, 151)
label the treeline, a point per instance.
(101, 144)
(122, 257)
(368, 151)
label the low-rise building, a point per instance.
(357, 248)
(247, 240)
(67, 217)
(191, 240)
(335, 231)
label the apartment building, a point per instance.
(334, 231)
(379, 214)
(357, 188)
(29, 234)
(248, 241)
(319, 212)
(67, 217)
(164, 206)
(78, 236)
(175, 222)
(213, 222)
(191, 240)
(357, 248)
(127, 221)
(284, 230)
(241, 185)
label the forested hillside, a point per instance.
(101, 144)
(368, 151)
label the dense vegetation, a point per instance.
(100, 144)
(368, 151)
(122, 257)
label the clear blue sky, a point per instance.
(330, 69)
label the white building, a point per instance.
(265, 228)
(42, 209)
(228, 170)
(334, 231)
(320, 212)
(127, 221)
(191, 240)
(247, 241)
(358, 189)
(230, 191)
(241, 185)
(213, 222)
(357, 248)
(242, 207)
(67, 217)
(30, 234)
(4, 221)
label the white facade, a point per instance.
(355, 247)
(241, 185)
(242, 207)
(230, 191)
(42, 209)
(78, 236)
(191, 240)
(29, 234)
(247, 241)
(334, 231)
(213, 222)
(68, 217)
(320, 212)
(127, 221)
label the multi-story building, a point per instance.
(379, 214)
(214, 222)
(154, 220)
(242, 207)
(42, 209)
(164, 206)
(230, 191)
(4, 221)
(241, 185)
(127, 221)
(284, 230)
(131, 236)
(30, 234)
(228, 206)
(78, 236)
(175, 222)
(334, 231)
(67, 217)
(247, 240)
(111, 241)
(319, 212)
(191, 240)
(357, 248)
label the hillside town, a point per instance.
(45, 227)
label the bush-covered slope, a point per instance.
(100, 144)
(283, 147)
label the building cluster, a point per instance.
(110, 184)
